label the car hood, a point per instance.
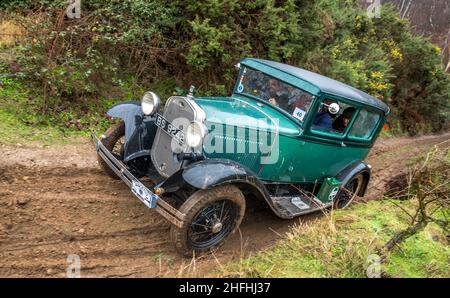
(244, 112)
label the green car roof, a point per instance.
(324, 84)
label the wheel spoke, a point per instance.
(199, 233)
(225, 218)
(221, 211)
(208, 216)
(227, 212)
(200, 225)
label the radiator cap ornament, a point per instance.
(191, 92)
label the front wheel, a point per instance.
(348, 192)
(210, 217)
(113, 139)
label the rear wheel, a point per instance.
(348, 192)
(114, 140)
(210, 217)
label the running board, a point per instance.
(299, 204)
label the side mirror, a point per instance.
(334, 108)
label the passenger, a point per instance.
(324, 119)
(344, 119)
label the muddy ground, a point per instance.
(55, 201)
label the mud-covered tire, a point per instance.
(196, 208)
(348, 192)
(109, 140)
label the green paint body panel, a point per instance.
(238, 110)
(302, 161)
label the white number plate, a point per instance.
(143, 194)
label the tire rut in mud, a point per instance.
(48, 213)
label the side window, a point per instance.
(364, 124)
(327, 120)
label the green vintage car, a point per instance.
(292, 138)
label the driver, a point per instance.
(275, 92)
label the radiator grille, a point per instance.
(180, 112)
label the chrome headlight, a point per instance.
(150, 103)
(195, 133)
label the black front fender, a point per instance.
(140, 130)
(355, 168)
(130, 112)
(210, 173)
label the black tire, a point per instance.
(213, 215)
(112, 139)
(349, 192)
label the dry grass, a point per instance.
(10, 33)
(341, 243)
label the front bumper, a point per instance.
(145, 195)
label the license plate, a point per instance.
(143, 194)
(170, 129)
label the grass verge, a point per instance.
(342, 244)
(22, 122)
(14, 131)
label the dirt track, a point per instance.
(55, 201)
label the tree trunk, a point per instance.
(403, 235)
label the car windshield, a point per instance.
(293, 100)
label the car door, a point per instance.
(324, 150)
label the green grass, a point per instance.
(21, 123)
(421, 256)
(14, 131)
(338, 245)
(21, 120)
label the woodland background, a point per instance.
(67, 72)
